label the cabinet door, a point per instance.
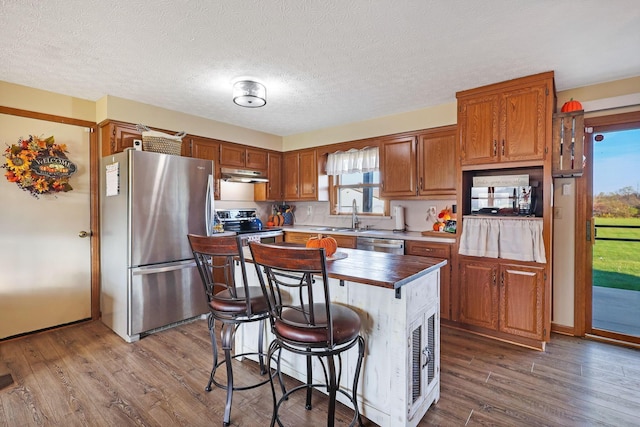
(297, 237)
(274, 172)
(345, 241)
(436, 250)
(398, 167)
(118, 136)
(478, 129)
(436, 163)
(424, 361)
(521, 299)
(308, 175)
(256, 159)
(291, 174)
(479, 294)
(232, 155)
(204, 148)
(523, 119)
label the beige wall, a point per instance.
(26, 98)
(114, 108)
(440, 115)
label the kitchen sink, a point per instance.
(345, 229)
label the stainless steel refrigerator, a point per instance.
(149, 203)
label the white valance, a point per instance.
(517, 239)
(353, 161)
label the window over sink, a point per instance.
(356, 180)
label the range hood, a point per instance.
(243, 175)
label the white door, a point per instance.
(45, 267)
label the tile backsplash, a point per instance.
(317, 213)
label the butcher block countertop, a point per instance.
(378, 268)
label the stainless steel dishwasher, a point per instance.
(377, 244)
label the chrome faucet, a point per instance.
(355, 223)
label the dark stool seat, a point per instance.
(232, 302)
(304, 321)
(346, 325)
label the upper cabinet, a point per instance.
(398, 166)
(421, 164)
(505, 122)
(238, 156)
(116, 136)
(301, 176)
(206, 148)
(436, 162)
(272, 190)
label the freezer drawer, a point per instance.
(164, 294)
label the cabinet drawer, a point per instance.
(437, 250)
(297, 237)
(345, 241)
(302, 237)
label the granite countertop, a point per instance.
(432, 236)
(377, 268)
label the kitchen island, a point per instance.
(397, 298)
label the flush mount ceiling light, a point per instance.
(247, 93)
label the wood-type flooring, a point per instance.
(85, 375)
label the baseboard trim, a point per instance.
(563, 330)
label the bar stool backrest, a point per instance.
(294, 278)
(218, 253)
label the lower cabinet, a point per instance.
(436, 250)
(503, 296)
(343, 241)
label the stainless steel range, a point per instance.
(246, 223)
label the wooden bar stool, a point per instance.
(304, 321)
(230, 302)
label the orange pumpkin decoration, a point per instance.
(327, 242)
(570, 106)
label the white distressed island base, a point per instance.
(400, 376)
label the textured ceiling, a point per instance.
(324, 63)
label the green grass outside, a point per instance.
(617, 264)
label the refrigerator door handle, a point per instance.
(153, 269)
(208, 214)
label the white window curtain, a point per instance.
(517, 239)
(353, 161)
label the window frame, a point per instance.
(334, 189)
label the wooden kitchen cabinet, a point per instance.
(420, 164)
(478, 293)
(398, 167)
(436, 250)
(504, 296)
(437, 161)
(301, 237)
(273, 189)
(116, 136)
(237, 156)
(209, 149)
(506, 122)
(301, 178)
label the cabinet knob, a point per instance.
(495, 148)
(503, 147)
